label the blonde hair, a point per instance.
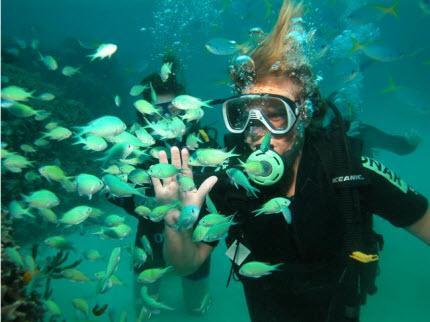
(272, 49)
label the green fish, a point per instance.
(187, 102)
(76, 215)
(276, 205)
(14, 256)
(69, 71)
(119, 188)
(52, 308)
(42, 199)
(139, 177)
(147, 245)
(92, 143)
(158, 213)
(22, 110)
(111, 267)
(152, 275)
(116, 152)
(49, 215)
(145, 107)
(257, 269)
(210, 157)
(151, 302)
(17, 211)
(218, 231)
(74, 275)
(238, 178)
(49, 62)
(163, 170)
(186, 183)
(187, 217)
(88, 185)
(116, 232)
(93, 255)
(15, 163)
(16, 93)
(142, 211)
(105, 126)
(53, 172)
(136, 90)
(199, 233)
(256, 168)
(58, 242)
(81, 305)
(58, 134)
(114, 220)
(212, 219)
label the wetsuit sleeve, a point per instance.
(390, 197)
(376, 138)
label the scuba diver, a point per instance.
(304, 248)
(195, 286)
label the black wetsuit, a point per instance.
(310, 248)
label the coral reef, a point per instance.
(17, 304)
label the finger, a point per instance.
(176, 158)
(162, 157)
(187, 170)
(207, 186)
(157, 184)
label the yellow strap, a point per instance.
(204, 135)
(364, 258)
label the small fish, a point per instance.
(16, 93)
(145, 107)
(187, 102)
(103, 51)
(75, 275)
(113, 169)
(49, 62)
(256, 168)
(199, 233)
(57, 134)
(116, 152)
(111, 267)
(257, 269)
(88, 185)
(92, 255)
(151, 302)
(382, 54)
(139, 257)
(151, 275)
(51, 125)
(158, 213)
(35, 44)
(147, 245)
(187, 217)
(276, 205)
(41, 142)
(119, 188)
(81, 305)
(58, 242)
(142, 211)
(17, 211)
(42, 199)
(117, 100)
(16, 163)
(76, 215)
(114, 220)
(163, 170)
(49, 215)
(218, 231)
(92, 142)
(166, 70)
(22, 110)
(70, 71)
(53, 172)
(192, 141)
(238, 178)
(213, 219)
(46, 97)
(139, 177)
(136, 90)
(193, 115)
(52, 308)
(14, 256)
(186, 183)
(99, 310)
(144, 137)
(154, 98)
(105, 126)
(210, 157)
(221, 46)
(27, 148)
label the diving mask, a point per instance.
(277, 113)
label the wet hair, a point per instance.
(277, 49)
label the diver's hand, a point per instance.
(168, 191)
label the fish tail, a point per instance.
(253, 191)
(356, 45)
(276, 266)
(92, 56)
(232, 154)
(206, 104)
